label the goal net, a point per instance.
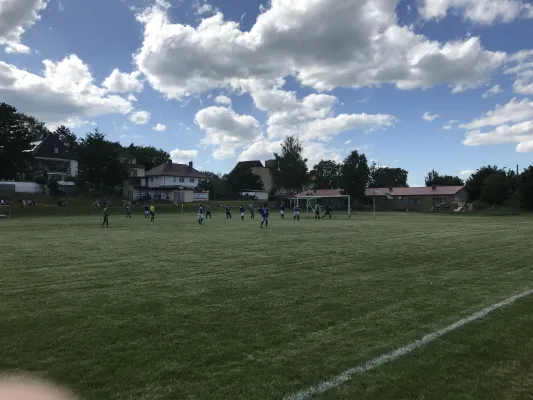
(339, 205)
(5, 211)
(7, 193)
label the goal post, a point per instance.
(337, 203)
(7, 194)
(5, 211)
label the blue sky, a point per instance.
(340, 75)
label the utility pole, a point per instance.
(517, 188)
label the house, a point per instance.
(413, 198)
(52, 158)
(135, 174)
(169, 181)
(257, 168)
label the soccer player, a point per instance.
(228, 212)
(264, 214)
(296, 210)
(241, 210)
(106, 218)
(146, 211)
(251, 208)
(317, 212)
(200, 214)
(282, 210)
(152, 213)
(208, 212)
(128, 211)
(328, 212)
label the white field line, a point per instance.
(385, 358)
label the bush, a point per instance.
(41, 180)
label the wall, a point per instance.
(426, 202)
(73, 168)
(266, 178)
(201, 196)
(262, 195)
(162, 181)
(26, 187)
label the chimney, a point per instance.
(190, 164)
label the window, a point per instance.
(151, 179)
(133, 172)
(174, 179)
(191, 180)
(414, 201)
(182, 180)
(56, 150)
(440, 200)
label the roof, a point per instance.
(171, 169)
(250, 164)
(46, 149)
(416, 191)
(320, 193)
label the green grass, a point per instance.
(173, 310)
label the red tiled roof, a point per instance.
(320, 193)
(416, 191)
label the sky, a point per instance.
(416, 84)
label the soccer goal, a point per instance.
(7, 192)
(5, 211)
(338, 204)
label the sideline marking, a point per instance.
(338, 380)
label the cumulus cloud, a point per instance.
(520, 65)
(479, 11)
(159, 127)
(324, 44)
(226, 130)
(121, 82)
(16, 16)
(131, 97)
(467, 172)
(429, 117)
(140, 117)
(204, 8)
(223, 100)
(496, 89)
(509, 123)
(183, 156)
(64, 91)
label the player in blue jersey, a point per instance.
(296, 211)
(251, 209)
(146, 211)
(228, 212)
(282, 210)
(200, 215)
(241, 210)
(264, 214)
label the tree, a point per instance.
(17, 133)
(474, 184)
(355, 175)
(289, 169)
(327, 174)
(526, 188)
(148, 156)
(386, 177)
(66, 136)
(215, 185)
(241, 177)
(435, 179)
(495, 189)
(99, 161)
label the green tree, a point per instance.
(66, 136)
(99, 161)
(386, 177)
(148, 156)
(327, 173)
(474, 184)
(433, 178)
(526, 188)
(241, 177)
(289, 169)
(17, 133)
(355, 175)
(495, 189)
(214, 184)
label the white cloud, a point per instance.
(466, 172)
(348, 142)
(16, 16)
(60, 6)
(183, 156)
(513, 123)
(478, 11)
(429, 117)
(325, 44)
(447, 127)
(223, 100)
(140, 117)
(204, 9)
(226, 130)
(496, 89)
(131, 97)
(522, 70)
(159, 128)
(64, 91)
(121, 82)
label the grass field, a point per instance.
(174, 310)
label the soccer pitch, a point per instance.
(174, 310)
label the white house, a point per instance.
(175, 182)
